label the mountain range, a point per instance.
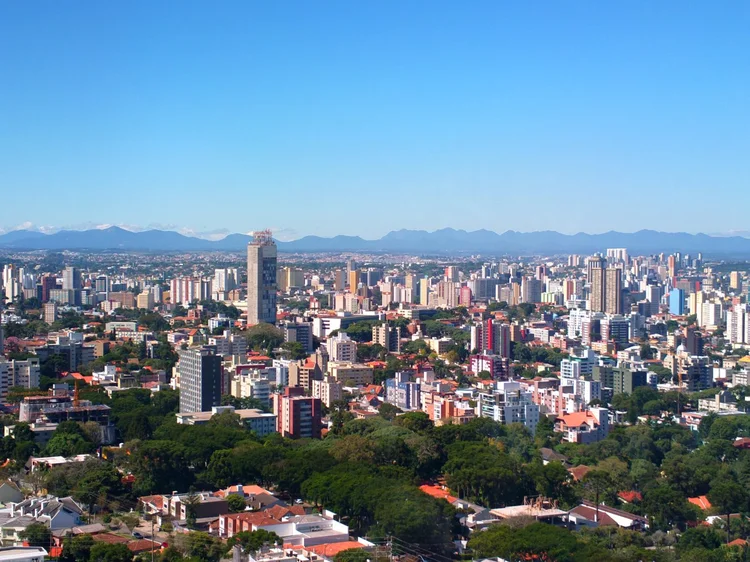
(444, 241)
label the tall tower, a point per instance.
(261, 279)
(200, 379)
(597, 283)
(613, 291)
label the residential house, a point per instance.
(585, 427)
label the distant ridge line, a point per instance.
(443, 241)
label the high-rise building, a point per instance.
(200, 375)
(597, 284)
(339, 280)
(424, 291)
(353, 280)
(671, 266)
(300, 332)
(531, 290)
(735, 281)
(297, 416)
(387, 336)
(677, 302)
(145, 300)
(341, 348)
(50, 312)
(491, 337)
(71, 278)
(261, 279)
(452, 273)
(620, 379)
(613, 291)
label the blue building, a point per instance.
(677, 302)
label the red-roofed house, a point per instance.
(584, 427)
(630, 496)
(701, 501)
(438, 492)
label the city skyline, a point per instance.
(472, 116)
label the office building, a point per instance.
(261, 279)
(71, 279)
(297, 416)
(677, 302)
(615, 328)
(353, 280)
(200, 373)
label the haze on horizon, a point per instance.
(361, 118)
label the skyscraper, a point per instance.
(677, 302)
(200, 379)
(597, 284)
(353, 280)
(613, 291)
(71, 279)
(735, 281)
(261, 279)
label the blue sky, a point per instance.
(362, 117)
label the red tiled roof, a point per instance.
(576, 419)
(701, 501)
(437, 492)
(156, 500)
(330, 550)
(630, 496)
(143, 545)
(579, 471)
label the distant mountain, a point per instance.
(444, 241)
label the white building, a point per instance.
(341, 348)
(507, 404)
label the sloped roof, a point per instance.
(701, 501)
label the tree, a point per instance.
(202, 546)
(37, 534)
(537, 541)
(727, 496)
(388, 411)
(293, 350)
(236, 503)
(596, 483)
(192, 501)
(252, 541)
(68, 445)
(105, 552)
(77, 548)
(353, 555)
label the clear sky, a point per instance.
(359, 117)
